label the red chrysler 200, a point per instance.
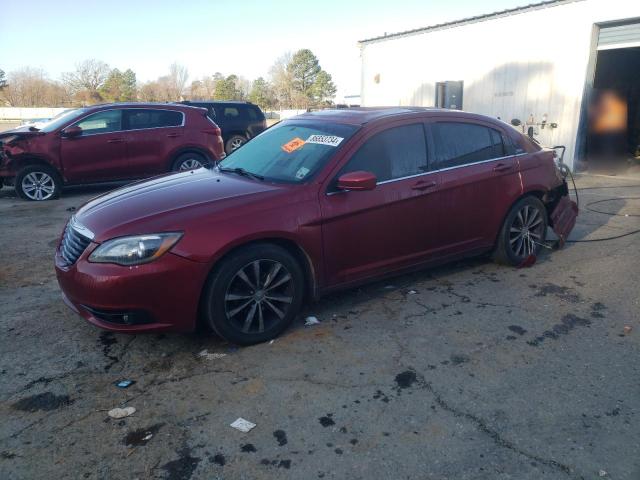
(320, 202)
(106, 143)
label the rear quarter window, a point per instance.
(137, 119)
(460, 143)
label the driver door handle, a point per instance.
(424, 185)
(502, 167)
(116, 140)
(174, 135)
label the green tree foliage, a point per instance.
(304, 69)
(262, 94)
(119, 86)
(323, 89)
(3, 80)
(225, 88)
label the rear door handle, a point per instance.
(502, 167)
(174, 135)
(116, 140)
(422, 185)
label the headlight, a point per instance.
(134, 250)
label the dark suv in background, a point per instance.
(106, 143)
(239, 121)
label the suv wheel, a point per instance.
(523, 232)
(189, 161)
(38, 183)
(254, 294)
(234, 143)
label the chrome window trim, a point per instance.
(437, 171)
(130, 130)
(81, 229)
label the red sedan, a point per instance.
(320, 202)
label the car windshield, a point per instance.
(60, 119)
(289, 152)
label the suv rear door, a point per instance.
(152, 135)
(99, 153)
(478, 181)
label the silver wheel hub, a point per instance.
(526, 231)
(38, 186)
(190, 164)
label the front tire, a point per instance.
(189, 161)
(254, 294)
(234, 143)
(523, 232)
(38, 183)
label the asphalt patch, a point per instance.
(183, 467)
(45, 402)
(248, 448)
(326, 421)
(568, 323)
(406, 379)
(281, 437)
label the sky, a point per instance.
(241, 37)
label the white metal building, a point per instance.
(534, 63)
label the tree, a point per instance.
(30, 87)
(262, 94)
(89, 76)
(225, 87)
(304, 69)
(323, 89)
(119, 86)
(3, 80)
(177, 81)
(281, 81)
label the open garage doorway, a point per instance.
(613, 139)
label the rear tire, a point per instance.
(189, 161)
(254, 294)
(522, 232)
(38, 183)
(234, 143)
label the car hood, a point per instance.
(23, 132)
(169, 202)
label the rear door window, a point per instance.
(459, 143)
(392, 154)
(140, 118)
(101, 122)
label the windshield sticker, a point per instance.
(293, 145)
(302, 171)
(330, 140)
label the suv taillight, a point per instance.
(213, 131)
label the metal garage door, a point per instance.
(619, 36)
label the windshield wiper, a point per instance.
(243, 172)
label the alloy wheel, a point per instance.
(190, 164)
(259, 296)
(38, 186)
(236, 143)
(525, 233)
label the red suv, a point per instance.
(324, 201)
(107, 143)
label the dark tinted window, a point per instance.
(395, 153)
(142, 118)
(101, 122)
(461, 143)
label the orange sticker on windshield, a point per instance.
(293, 145)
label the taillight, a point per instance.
(213, 131)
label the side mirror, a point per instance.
(71, 132)
(357, 181)
(516, 122)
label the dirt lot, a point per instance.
(470, 371)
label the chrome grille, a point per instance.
(73, 244)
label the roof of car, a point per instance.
(139, 105)
(363, 115)
(222, 102)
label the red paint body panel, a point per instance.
(564, 218)
(347, 237)
(122, 155)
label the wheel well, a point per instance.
(539, 194)
(290, 246)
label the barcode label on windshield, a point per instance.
(330, 140)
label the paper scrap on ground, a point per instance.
(330, 140)
(211, 356)
(243, 425)
(121, 412)
(311, 321)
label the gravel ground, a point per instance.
(470, 371)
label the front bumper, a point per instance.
(159, 296)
